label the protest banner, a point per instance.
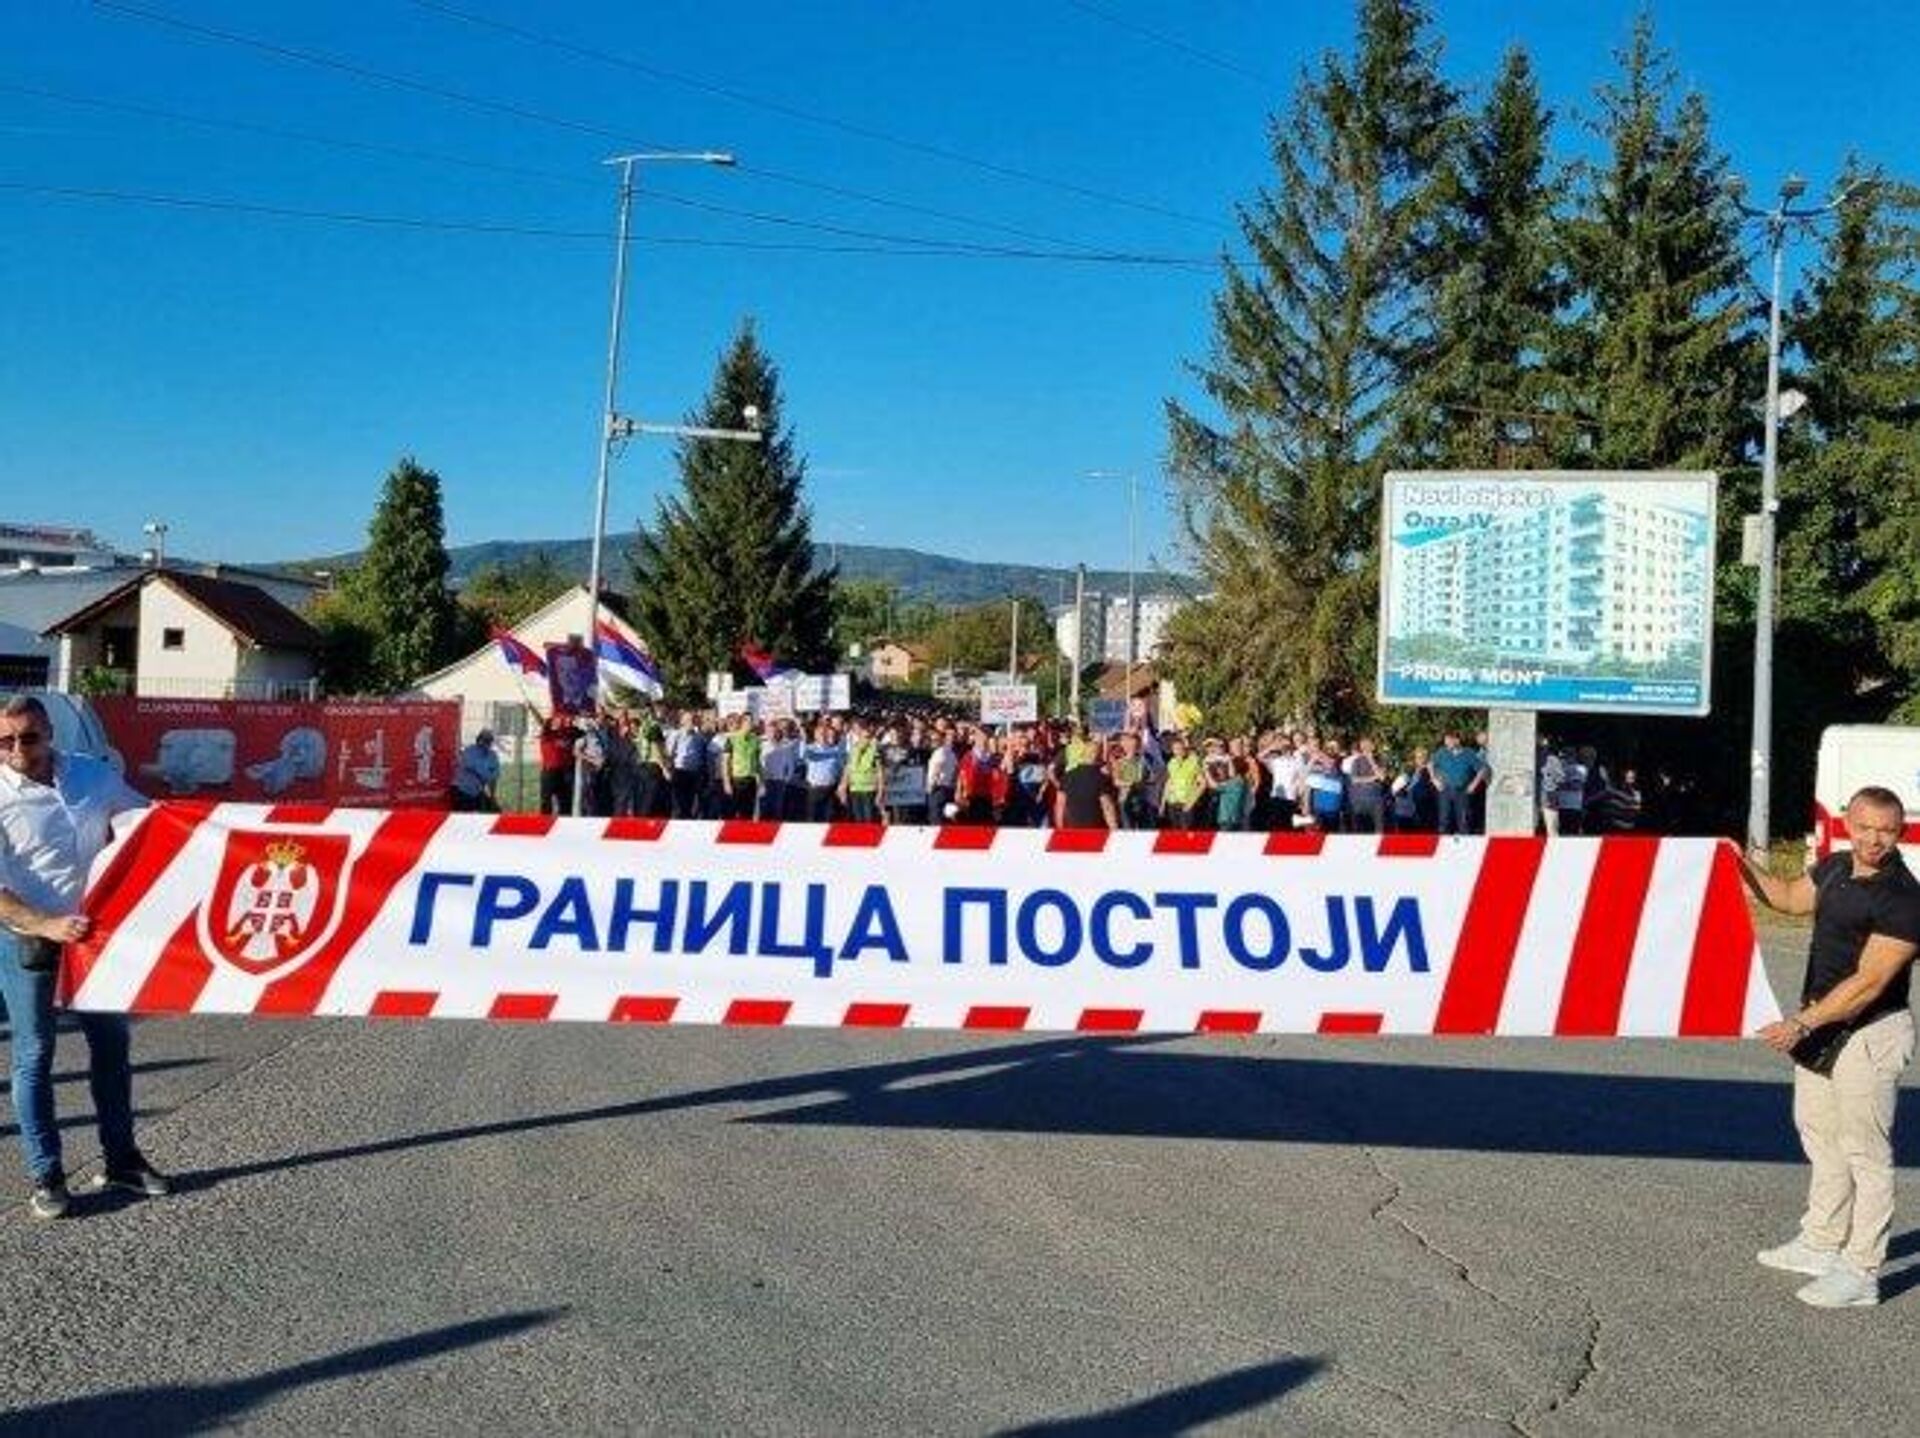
(1107, 716)
(1009, 703)
(370, 754)
(243, 909)
(813, 693)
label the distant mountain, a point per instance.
(933, 577)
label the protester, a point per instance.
(1085, 798)
(687, 752)
(779, 761)
(475, 777)
(860, 782)
(558, 735)
(1455, 769)
(740, 773)
(591, 750)
(55, 813)
(943, 775)
(1129, 776)
(825, 760)
(1366, 789)
(1325, 788)
(1186, 787)
(1850, 1039)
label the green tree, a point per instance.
(1481, 396)
(864, 610)
(400, 585)
(1850, 508)
(347, 637)
(1278, 490)
(503, 594)
(1662, 357)
(729, 560)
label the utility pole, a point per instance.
(1013, 647)
(614, 427)
(1776, 220)
(1079, 631)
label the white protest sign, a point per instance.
(1009, 703)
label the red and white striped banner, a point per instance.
(243, 909)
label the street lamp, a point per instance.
(1776, 220)
(616, 427)
(1132, 478)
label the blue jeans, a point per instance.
(30, 1018)
(1456, 815)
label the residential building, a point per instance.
(891, 662)
(171, 633)
(1599, 577)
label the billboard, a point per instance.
(1568, 591)
(350, 753)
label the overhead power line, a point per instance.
(555, 176)
(484, 103)
(1172, 42)
(933, 250)
(813, 117)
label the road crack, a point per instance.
(1587, 1365)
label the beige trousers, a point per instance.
(1846, 1126)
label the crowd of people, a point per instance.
(900, 767)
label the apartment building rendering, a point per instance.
(1598, 577)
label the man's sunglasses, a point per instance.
(25, 739)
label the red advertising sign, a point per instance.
(352, 754)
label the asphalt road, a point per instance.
(438, 1227)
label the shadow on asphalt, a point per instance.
(80, 1075)
(1126, 1088)
(1184, 1409)
(196, 1408)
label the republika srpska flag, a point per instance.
(625, 662)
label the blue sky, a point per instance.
(250, 379)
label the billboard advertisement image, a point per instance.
(1562, 591)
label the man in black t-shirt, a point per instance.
(1085, 797)
(1850, 1039)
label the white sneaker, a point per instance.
(1798, 1256)
(1842, 1286)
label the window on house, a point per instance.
(173, 639)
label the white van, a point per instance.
(76, 724)
(1852, 756)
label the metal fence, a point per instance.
(147, 686)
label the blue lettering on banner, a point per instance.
(1048, 927)
(1026, 928)
(1376, 945)
(734, 913)
(874, 926)
(813, 944)
(1100, 929)
(502, 896)
(431, 883)
(665, 909)
(1234, 929)
(568, 916)
(953, 923)
(1186, 909)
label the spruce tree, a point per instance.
(1850, 508)
(400, 584)
(1480, 394)
(729, 560)
(1279, 489)
(1663, 358)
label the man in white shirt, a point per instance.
(55, 813)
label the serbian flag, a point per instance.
(763, 664)
(625, 662)
(518, 654)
